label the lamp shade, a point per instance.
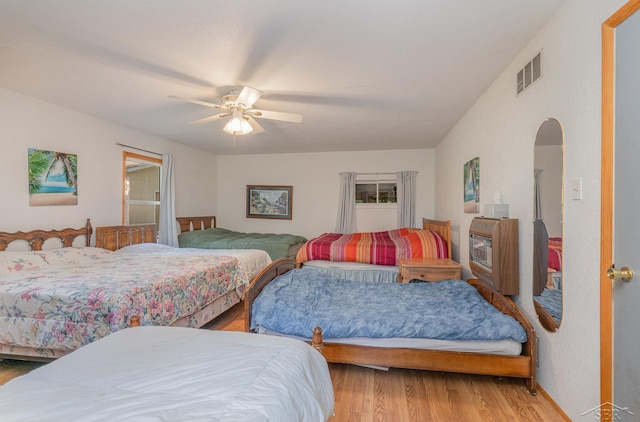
(238, 125)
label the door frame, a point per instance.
(606, 199)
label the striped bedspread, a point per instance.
(555, 253)
(380, 248)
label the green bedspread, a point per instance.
(276, 245)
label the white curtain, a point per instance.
(167, 228)
(406, 193)
(537, 195)
(346, 221)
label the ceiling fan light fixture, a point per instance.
(238, 104)
(238, 125)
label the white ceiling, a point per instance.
(365, 74)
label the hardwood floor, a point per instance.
(401, 395)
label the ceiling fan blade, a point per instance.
(256, 127)
(209, 119)
(191, 100)
(248, 96)
(277, 115)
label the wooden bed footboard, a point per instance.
(521, 366)
(265, 276)
(116, 237)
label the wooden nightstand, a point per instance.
(428, 269)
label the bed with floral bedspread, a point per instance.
(55, 301)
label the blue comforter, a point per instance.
(296, 302)
(551, 300)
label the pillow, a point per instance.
(144, 248)
(15, 261)
(73, 256)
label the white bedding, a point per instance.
(176, 374)
(493, 347)
(355, 271)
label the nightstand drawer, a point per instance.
(428, 269)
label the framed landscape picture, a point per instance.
(269, 201)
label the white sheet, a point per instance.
(176, 374)
(253, 260)
(493, 347)
(355, 271)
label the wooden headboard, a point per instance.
(36, 238)
(116, 237)
(188, 224)
(443, 228)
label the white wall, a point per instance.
(30, 123)
(501, 129)
(315, 180)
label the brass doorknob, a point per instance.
(624, 273)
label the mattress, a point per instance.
(176, 374)
(494, 347)
(355, 271)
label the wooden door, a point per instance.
(620, 208)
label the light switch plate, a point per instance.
(576, 189)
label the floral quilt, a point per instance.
(66, 298)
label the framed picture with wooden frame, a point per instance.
(264, 201)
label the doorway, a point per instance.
(620, 368)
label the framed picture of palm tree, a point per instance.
(53, 178)
(472, 186)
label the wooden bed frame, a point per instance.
(443, 228)
(36, 238)
(117, 237)
(188, 224)
(107, 237)
(522, 366)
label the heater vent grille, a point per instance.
(530, 73)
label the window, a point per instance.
(141, 189)
(376, 192)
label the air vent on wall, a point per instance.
(530, 73)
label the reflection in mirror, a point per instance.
(547, 224)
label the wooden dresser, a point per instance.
(428, 269)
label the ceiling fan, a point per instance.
(238, 105)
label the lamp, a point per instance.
(238, 124)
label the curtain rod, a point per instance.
(374, 174)
(139, 149)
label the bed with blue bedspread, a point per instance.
(452, 325)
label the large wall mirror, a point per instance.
(547, 224)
